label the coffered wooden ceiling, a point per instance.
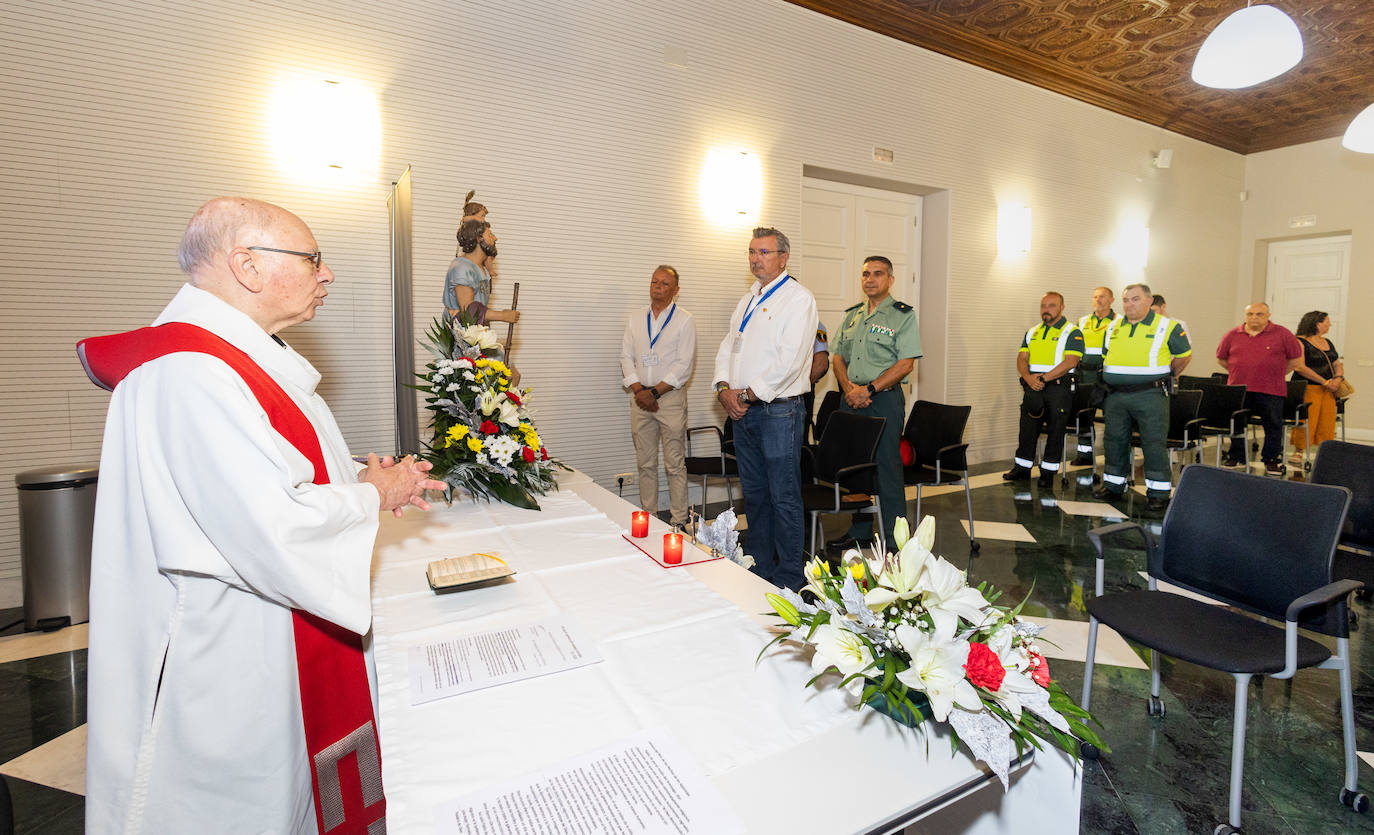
(1134, 57)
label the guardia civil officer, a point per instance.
(1050, 351)
(1094, 327)
(1142, 353)
(875, 349)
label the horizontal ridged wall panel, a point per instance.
(120, 117)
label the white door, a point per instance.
(1312, 274)
(841, 225)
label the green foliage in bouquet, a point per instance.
(912, 640)
(484, 438)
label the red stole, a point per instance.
(335, 701)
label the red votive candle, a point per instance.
(639, 523)
(672, 548)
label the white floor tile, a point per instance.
(60, 763)
(1009, 531)
(35, 644)
(1102, 509)
(1367, 757)
(1068, 640)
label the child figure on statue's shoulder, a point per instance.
(473, 210)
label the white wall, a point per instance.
(120, 117)
(1336, 185)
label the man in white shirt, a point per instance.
(760, 377)
(657, 355)
(231, 556)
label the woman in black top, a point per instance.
(1323, 371)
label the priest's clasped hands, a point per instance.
(399, 483)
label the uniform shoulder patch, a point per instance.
(821, 335)
(854, 307)
(903, 306)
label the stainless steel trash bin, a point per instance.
(56, 514)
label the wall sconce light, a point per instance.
(1013, 231)
(1359, 136)
(731, 187)
(1132, 247)
(326, 131)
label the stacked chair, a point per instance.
(721, 465)
(1232, 537)
(1351, 466)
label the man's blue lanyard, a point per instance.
(749, 311)
(648, 325)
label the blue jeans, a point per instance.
(767, 449)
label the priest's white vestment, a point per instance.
(209, 530)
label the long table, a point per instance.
(679, 648)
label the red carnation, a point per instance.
(984, 667)
(489, 428)
(528, 454)
(467, 360)
(510, 395)
(544, 452)
(1039, 669)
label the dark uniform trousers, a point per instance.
(1048, 407)
(889, 404)
(1147, 411)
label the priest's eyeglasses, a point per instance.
(316, 257)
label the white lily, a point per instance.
(486, 402)
(480, 336)
(948, 597)
(925, 533)
(937, 669)
(1015, 689)
(839, 648)
(901, 532)
(813, 572)
(510, 414)
(897, 580)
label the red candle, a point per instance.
(639, 523)
(672, 548)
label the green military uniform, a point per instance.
(1046, 346)
(870, 344)
(1135, 367)
(1094, 330)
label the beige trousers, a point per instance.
(669, 426)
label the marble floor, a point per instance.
(1164, 775)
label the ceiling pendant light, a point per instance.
(1360, 135)
(1253, 44)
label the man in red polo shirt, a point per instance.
(1259, 355)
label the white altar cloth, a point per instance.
(679, 648)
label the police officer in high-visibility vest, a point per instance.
(1142, 355)
(1049, 353)
(874, 350)
(1094, 327)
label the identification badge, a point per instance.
(737, 344)
(649, 359)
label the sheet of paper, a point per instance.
(469, 662)
(645, 785)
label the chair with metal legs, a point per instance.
(935, 432)
(846, 461)
(1223, 539)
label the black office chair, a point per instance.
(721, 465)
(1222, 538)
(1187, 382)
(1185, 427)
(1351, 466)
(1224, 416)
(6, 809)
(1340, 415)
(935, 432)
(846, 459)
(829, 405)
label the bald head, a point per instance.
(1256, 317)
(222, 224)
(257, 258)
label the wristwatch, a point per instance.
(745, 396)
(721, 386)
(654, 392)
(871, 390)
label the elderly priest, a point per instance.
(230, 563)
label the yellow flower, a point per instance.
(499, 367)
(475, 444)
(857, 570)
(482, 362)
(532, 440)
(456, 432)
